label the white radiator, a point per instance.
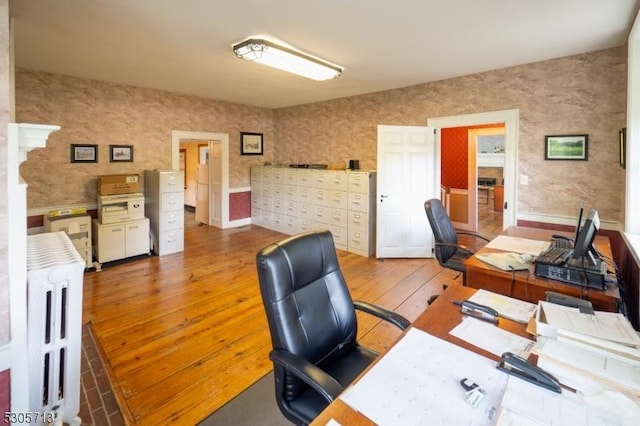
(54, 330)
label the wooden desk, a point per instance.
(438, 320)
(527, 286)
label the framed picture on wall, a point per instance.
(121, 153)
(566, 147)
(82, 153)
(250, 143)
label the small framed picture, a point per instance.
(566, 147)
(121, 153)
(82, 153)
(250, 143)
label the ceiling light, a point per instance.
(268, 53)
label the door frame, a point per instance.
(177, 135)
(473, 168)
(511, 119)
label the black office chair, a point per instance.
(312, 322)
(449, 252)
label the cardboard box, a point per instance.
(118, 184)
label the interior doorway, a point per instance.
(510, 118)
(218, 145)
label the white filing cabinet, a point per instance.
(115, 241)
(77, 228)
(164, 198)
(294, 200)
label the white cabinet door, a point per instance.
(137, 237)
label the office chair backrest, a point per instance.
(308, 305)
(443, 230)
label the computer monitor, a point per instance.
(583, 247)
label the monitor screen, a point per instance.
(583, 247)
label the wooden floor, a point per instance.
(184, 333)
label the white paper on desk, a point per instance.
(418, 383)
(518, 245)
(523, 400)
(491, 338)
(624, 375)
(507, 307)
(604, 325)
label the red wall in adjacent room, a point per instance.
(454, 149)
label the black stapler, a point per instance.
(519, 367)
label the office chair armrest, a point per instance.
(457, 246)
(473, 234)
(316, 378)
(396, 319)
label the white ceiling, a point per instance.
(185, 46)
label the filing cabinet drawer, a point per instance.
(172, 220)
(358, 221)
(359, 242)
(172, 201)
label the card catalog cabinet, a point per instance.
(164, 195)
(295, 200)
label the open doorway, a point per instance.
(218, 174)
(510, 118)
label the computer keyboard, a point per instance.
(554, 256)
(562, 243)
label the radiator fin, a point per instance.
(54, 312)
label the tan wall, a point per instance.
(578, 94)
(5, 97)
(100, 113)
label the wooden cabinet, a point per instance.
(498, 198)
(295, 200)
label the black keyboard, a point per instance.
(561, 243)
(554, 256)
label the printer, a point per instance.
(120, 208)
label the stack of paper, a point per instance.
(589, 351)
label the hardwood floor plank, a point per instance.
(185, 333)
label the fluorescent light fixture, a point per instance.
(285, 59)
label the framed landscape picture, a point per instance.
(566, 147)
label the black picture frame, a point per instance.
(84, 153)
(623, 147)
(251, 143)
(121, 153)
(566, 147)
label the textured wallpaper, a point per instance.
(94, 112)
(574, 95)
(579, 94)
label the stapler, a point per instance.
(517, 366)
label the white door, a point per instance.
(202, 194)
(408, 174)
(216, 185)
(202, 185)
